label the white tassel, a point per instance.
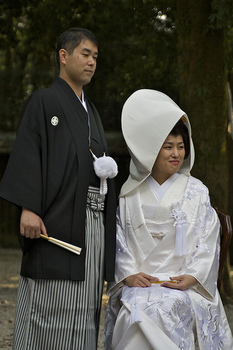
(181, 241)
(181, 229)
(184, 237)
(135, 315)
(105, 167)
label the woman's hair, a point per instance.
(180, 129)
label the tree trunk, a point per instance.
(203, 96)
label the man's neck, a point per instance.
(76, 88)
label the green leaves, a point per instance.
(138, 48)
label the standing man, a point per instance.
(50, 176)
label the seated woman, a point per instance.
(165, 293)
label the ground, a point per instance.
(9, 275)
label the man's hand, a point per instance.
(184, 282)
(140, 279)
(31, 225)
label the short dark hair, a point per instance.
(71, 38)
(181, 129)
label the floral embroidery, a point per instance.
(200, 225)
(192, 191)
(202, 247)
(171, 308)
(209, 211)
(212, 335)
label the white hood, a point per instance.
(148, 116)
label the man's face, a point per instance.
(79, 67)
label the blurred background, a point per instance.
(182, 48)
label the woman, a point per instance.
(165, 292)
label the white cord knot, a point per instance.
(178, 215)
(105, 167)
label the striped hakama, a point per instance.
(63, 314)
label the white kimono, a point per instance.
(167, 231)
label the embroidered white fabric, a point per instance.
(212, 334)
(197, 312)
(170, 309)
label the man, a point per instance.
(50, 176)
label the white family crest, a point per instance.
(54, 120)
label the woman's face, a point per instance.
(169, 159)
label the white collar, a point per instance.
(83, 101)
(160, 190)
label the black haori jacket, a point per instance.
(49, 173)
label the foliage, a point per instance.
(221, 16)
(136, 43)
(203, 83)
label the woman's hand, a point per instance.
(31, 225)
(184, 282)
(140, 279)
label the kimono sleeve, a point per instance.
(203, 262)
(22, 180)
(125, 262)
